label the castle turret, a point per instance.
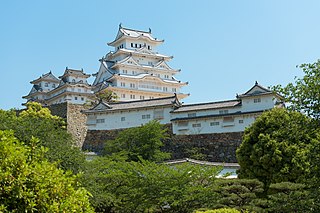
(71, 87)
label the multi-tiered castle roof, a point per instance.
(135, 71)
(71, 87)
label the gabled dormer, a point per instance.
(130, 38)
(259, 97)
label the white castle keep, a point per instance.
(134, 71)
(147, 90)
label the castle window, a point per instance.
(216, 123)
(53, 85)
(183, 124)
(132, 85)
(223, 111)
(136, 45)
(257, 100)
(149, 48)
(123, 118)
(75, 98)
(141, 97)
(100, 121)
(174, 90)
(190, 115)
(196, 125)
(132, 96)
(125, 71)
(165, 89)
(82, 99)
(150, 63)
(158, 114)
(140, 45)
(123, 84)
(131, 44)
(73, 80)
(240, 121)
(228, 120)
(147, 116)
(46, 84)
(123, 95)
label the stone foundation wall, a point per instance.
(76, 121)
(219, 147)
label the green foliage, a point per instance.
(304, 94)
(105, 95)
(238, 193)
(120, 186)
(223, 210)
(196, 153)
(290, 197)
(276, 148)
(29, 183)
(50, 130)
(137, 143)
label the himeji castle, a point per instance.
(135, 71)
(147, 89)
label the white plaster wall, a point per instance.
(206, 112)
(207, 129)
(267, 102)
(133, 118)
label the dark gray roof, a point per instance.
(104, 107)
(47, 76)
(75, 72)
(209, 105)
(260, 90)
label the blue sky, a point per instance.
(222, 47)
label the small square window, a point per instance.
(257, 100)
(123, 118)
(240, 121)
(216, 123)
(190, 115)
(196, 125)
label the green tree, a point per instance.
(290, 197)
(105, 95)
(38, 122)
(142, 142)
(29, 183)
(121, 186)
(276, 148)
(239, 193)
(304, 94)
(223, 210)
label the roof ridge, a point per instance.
(141, 31)
(214, 102)
(146, 100)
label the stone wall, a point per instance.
(76, 121)
(219, 147)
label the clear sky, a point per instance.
(222, 47)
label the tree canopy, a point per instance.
(29, 183)
(304, 94)
(38, 122)
(142, 142)
(122, 186)
(277, 147)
